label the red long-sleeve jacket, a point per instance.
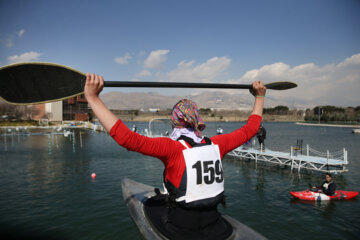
(170, 152)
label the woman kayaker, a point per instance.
(193, 175)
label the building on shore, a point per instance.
(54, 111)
(75, 108)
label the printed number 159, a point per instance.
(208, 171)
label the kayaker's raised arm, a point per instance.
(93, 86)
(258, 91)
(230, 141)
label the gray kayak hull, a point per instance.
(135, 194)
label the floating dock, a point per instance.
(294, 159)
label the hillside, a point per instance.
(216, 100)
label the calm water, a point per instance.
(53, 196)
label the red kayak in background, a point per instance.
(315, 196)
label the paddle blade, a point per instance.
(280, 85)
(33, 83)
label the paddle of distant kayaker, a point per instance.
(193, 176)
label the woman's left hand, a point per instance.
(258, 89)
(93, 86)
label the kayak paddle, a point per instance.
(34, 82)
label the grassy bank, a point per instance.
(15, 123)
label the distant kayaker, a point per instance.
(219, 131)
(261, 136)
(134, 128)
(328, 186)
(193, 175)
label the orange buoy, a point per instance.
(93, 175)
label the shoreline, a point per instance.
(223, 118)
(146, 118)
(327, 125)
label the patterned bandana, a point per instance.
(185, 115)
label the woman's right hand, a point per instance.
(93, 86)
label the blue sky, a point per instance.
(313, 43)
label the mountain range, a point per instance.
(145, 101)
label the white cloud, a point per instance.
(156, 59)
(144, 73)
(124, 59)
(21, 32)
(205, 72)
(25, 57)
(333, 84)
(9, 41)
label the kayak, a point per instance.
(314, 196)
(135, 195)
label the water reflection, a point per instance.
(260, 181)
(325, 208)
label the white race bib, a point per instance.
(204, 173)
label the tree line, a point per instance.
(319, 113)
(333, 114)
(11, 112)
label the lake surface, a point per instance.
(49, 194)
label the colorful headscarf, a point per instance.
(185, 115)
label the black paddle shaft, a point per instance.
(274, 85)
(175, 85)
(32, 83)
